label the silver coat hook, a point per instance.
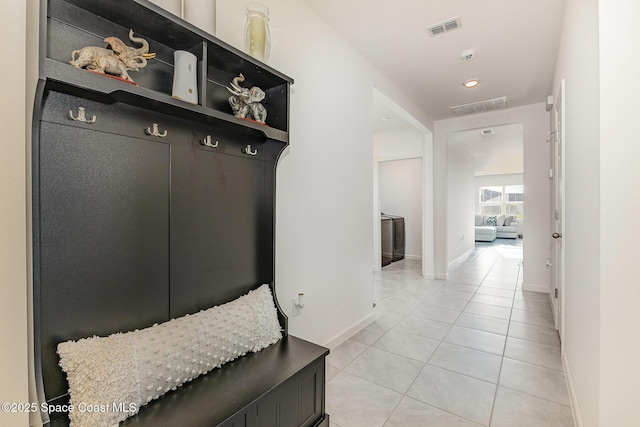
(81, 116)
(208, 142)
(248, 150)
(155, 132)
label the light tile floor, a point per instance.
(475, 350)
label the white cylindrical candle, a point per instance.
(257, 36)
(173, 6)
(202, 14)
(257, 41)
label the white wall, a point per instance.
(619, 178)
(578, 63)
(536, 171)
(460, 204)
(324, 232)
(401, 194)
(602, 338)
(15, 113)
(398, 143)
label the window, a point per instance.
(491, 200)
(514, 198)
(502, 200)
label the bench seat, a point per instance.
(282, 385)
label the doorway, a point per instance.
(398, 137)
(485, 168)
(557, 215)
(400, 189)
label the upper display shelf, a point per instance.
(73, 24)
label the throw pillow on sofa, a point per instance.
(492, 220)
(500, 220)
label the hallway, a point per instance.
(474, 350)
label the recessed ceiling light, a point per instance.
(471, 83)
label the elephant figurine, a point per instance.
(246, 103)
(117, 60)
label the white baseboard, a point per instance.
(429, 276)
(341, 337)
(535, 288)
(413, 257)
(440, 276)
(461, 256)
(572, 392)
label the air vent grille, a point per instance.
(481, 107)
(451, 25)
(486, 132)
(443, 27)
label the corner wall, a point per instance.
(578, 63)
(619, 190)
(460, 204)
(15, 109)
(537, 190)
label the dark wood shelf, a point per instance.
(73, 24)
(65, 78)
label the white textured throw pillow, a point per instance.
(131, 369)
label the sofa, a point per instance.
(490, 227)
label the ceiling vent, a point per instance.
(443, 27)
(486, 132)
(481, 107)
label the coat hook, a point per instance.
(208, 142)
(248, 150)
(81, 116)
(155, 132)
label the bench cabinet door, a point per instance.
(103, 236)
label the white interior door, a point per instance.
(557, 217)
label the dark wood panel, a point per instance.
(103, 238)
(289, 407)
(231, 232)
(184, 231)
(308, 400)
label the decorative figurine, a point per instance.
(246, 102)
(115, 61)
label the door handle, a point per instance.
(556, 235)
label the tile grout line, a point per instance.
(473, 294)
(495, 396)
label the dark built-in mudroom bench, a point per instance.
(152, 208)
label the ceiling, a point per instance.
(515, 44)
(495, 154)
